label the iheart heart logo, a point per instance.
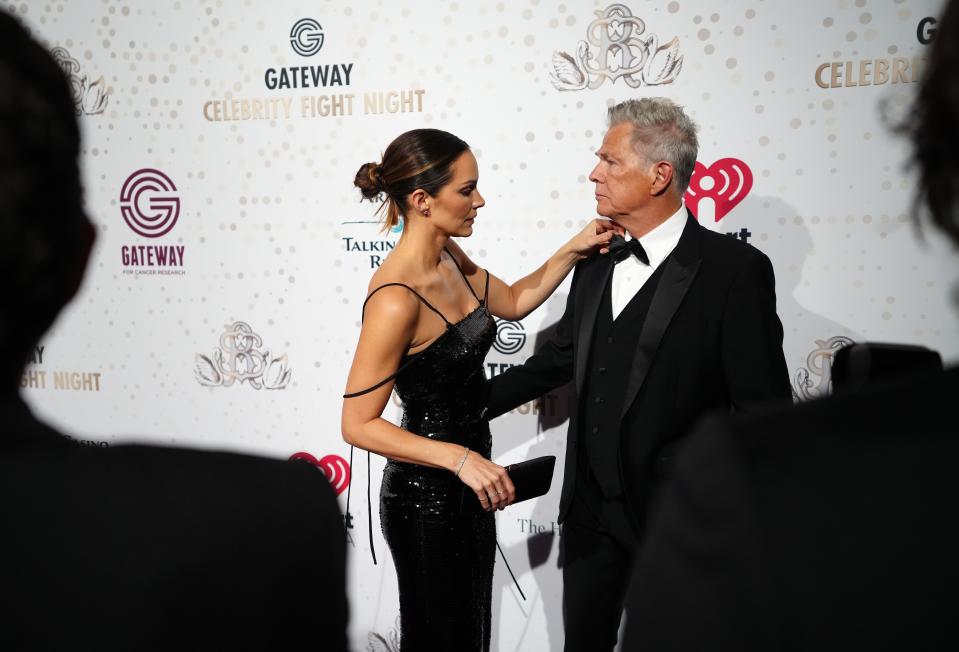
(334, 467)
(726, 183)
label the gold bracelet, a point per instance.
(462, 462)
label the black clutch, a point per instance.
(533, 477)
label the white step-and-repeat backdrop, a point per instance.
(222, 304)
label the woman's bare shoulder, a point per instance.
(391, 294)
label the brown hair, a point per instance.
(931, 125)
(421, 158)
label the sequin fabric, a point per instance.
(442, 542)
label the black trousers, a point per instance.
(599, 548)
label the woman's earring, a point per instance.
(427, 211)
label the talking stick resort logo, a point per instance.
(150, 206)
(372, 250)
(615, 48)
(307, 38)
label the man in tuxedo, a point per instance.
(131, 547)
(675, 323)
(831, 525)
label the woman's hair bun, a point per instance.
(368, 180)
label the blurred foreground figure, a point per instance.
(133, 547)
(831, 525)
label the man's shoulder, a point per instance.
(729, 248)
(725, 260)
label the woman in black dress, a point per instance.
(427, 326)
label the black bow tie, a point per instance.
(620, 249)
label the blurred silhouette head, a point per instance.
(933, 129)
(46, 237)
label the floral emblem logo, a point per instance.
(389, 642)
(616, 48)
(819, 364)
(239, 358)
(88, 98)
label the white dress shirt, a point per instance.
(631, 274)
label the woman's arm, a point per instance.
(387, 331)
(513, 302)
(388, 328)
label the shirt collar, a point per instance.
(659, 242)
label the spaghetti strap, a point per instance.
(486, 296)
(418, 295)
(466, 280)
(382, 382)
(408, 362)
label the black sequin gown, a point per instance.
(442, 541)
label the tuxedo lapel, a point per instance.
(592, 289)
(678, 275)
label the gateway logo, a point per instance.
(306, 37)
(148, 203)
(510, 337)
(150, 206)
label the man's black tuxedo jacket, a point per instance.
(711, 341)
(829, 526)
(143, 548)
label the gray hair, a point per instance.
(661, 132)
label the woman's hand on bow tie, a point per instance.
(594, 238)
